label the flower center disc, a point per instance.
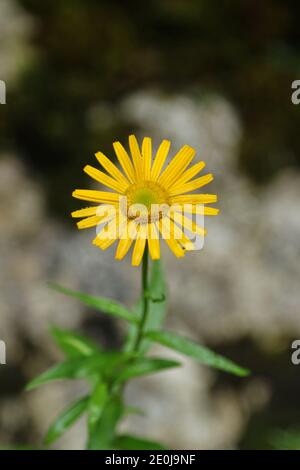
(147, 202)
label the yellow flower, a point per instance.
(146, 202)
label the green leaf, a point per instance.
(64, 370)
(128, 442)
(288, 439)
(96, 404)
(102, 435)
(73, 344)
(81, 367)
(104, 305)
(143, 366)
(66, 419)
(157, 306)
(194, 350)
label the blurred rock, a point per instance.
(15, 28)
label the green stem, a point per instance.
(145, 310)
(116, 389)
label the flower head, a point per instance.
(145, 201)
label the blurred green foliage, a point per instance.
(92, 51)
(285, 439)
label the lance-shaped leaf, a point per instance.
(103, 431)
(144, 366)
(157, 298)
(194, 350)
(81, 367)
(73, 344)
(64, 370)
(128, 442)
(66, 419)
(96, 404)
(108, 306)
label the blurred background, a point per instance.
(217, 76)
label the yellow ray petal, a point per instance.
(179, 163)
(160, 159)
(123, 248)
(147, 157)
(167, 230)
(104, 213)
(197, 209)
(187, 223)
(104, 244)
(181, 237)
(105, 179)
(138, 251)
(124, 160)
(100, 210)
(153, 241)
(125, 242)
(86, 212)
(92, 221)
(190, 173)
(175, 248)
(107, 236)
(191, 186)
(136, 156)
(170, 231)
(154, 248)
(186, 243)
(95, 196)
(111, 168)
(194, 199)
